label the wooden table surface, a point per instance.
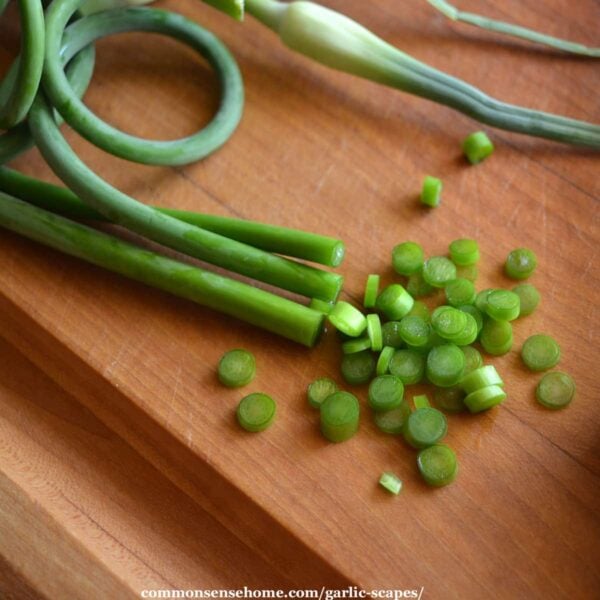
(124, 376)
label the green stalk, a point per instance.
(247, 303)
(79, 72)
(19, 87)
(340, 43)
(514, 30)
(13, 142)
(120, 208)
(271, 238)
(63, 44)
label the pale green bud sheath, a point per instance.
(336, 41)
(328, 37)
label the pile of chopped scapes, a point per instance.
(402, 343)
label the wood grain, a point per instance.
(71, 489)
(326, 152)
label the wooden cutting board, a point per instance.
(332, 154)
(82, 515)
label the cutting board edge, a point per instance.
(27, 538)
(229, 505)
